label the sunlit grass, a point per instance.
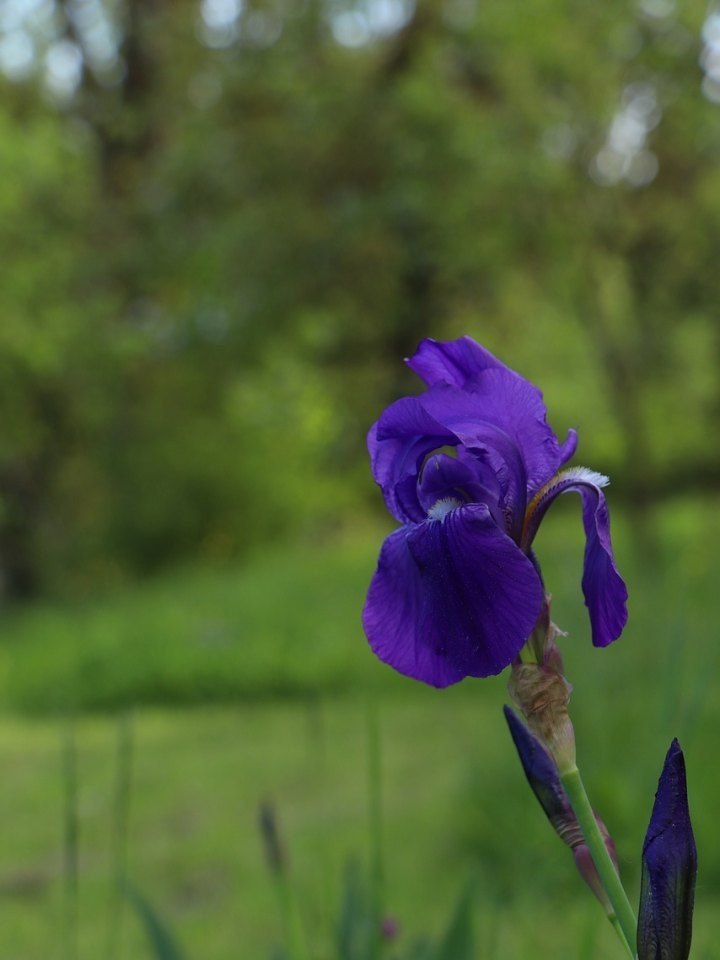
(455, 802)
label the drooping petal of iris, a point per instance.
(469, 468)
(452, 597)
(604, 589)
(669, 868)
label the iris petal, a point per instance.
(517, 407)
(487, 442)
(398, 443)
(451, 598)
(395, 605)
(502, 417)
(466, 480)
(453, 362)
(569, 446)
(502, 397)
(475, 401)
(604, 589)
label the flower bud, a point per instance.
(669, 867)
(542, 693)
(543, 777)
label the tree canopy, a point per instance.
(224, 224)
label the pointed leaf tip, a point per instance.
(162, 942)
(669, 868)
(458, 942)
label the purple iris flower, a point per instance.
(469, 469)
(669, 868)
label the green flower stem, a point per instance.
(575, 790)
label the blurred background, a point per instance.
(223, 224)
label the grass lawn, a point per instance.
(277, 646)
(454, 799)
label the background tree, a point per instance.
(222, 223)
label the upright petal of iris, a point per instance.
(454, 362)
(451, 597)
(398, 443)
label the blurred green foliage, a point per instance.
(288, 626)
(223, 225)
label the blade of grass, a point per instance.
(163, 943)
(71, 832)
(459, 940)
(120, 821)
(277, 861)
(377, 861)
(354, 926)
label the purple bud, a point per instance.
(669, 867)
(269, 832)
(540, 770)
(543, 777)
